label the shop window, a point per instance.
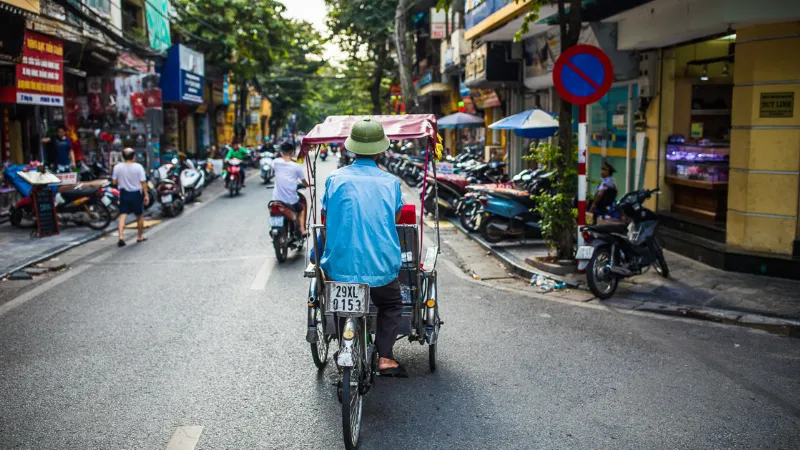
(101, 6)
(132, 19)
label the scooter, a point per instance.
(616, 251)
(267, 166)
(192, 180)
(169, 189)
(511, 213)
(235, 176)
(323, 153)
(83, 205)
(285, 231)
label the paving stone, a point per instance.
(20, 275)
(36, 270)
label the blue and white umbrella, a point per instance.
(532, 124)
(460, 120)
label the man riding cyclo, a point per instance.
(237, 152)
(288, 174)
(361, 207)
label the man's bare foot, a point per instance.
(386, 363)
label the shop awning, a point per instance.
(461, 120)
(532, 124)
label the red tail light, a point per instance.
(484, 200)
(276, 209)
(587, 237)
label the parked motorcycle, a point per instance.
(192, 180)
(169, 189)
(235, 176)
(511, 213)
(616, 251)
(111, 200)
(285, 231)
(82, 204)
(453, 187)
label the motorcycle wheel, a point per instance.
(103, 216)
(470, 216)
(660, 263)
(18, 218)
(281, 247)
(601, 288)
(190, 195)
(490, 234)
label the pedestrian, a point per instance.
(64, 153)
(131, 180)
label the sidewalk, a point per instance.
(692, 289)
(19, 250)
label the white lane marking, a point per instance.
(185, 437)
(260, 282)
(44, 287)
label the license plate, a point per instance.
(106, 201)
(585, 252)
(166, 198)
(347, 298)
(276, 221)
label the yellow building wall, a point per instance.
(764, 184)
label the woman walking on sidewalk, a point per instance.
(131, 180)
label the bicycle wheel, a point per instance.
(319, 349)
(352, 406)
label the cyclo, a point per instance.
(328, 300)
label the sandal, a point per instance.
(139, 241)
(394, 372)
(121, 243)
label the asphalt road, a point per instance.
(199, 330)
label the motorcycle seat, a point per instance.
(523, 197)
(75, 194)
(619, 228)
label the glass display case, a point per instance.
(703, 162)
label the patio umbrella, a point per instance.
(461, 120)
(533, 124)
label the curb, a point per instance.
(773, 324)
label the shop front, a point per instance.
(182, 85)
(725, 123)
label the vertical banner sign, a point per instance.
(40, 77)
(582, 75)
(6, 142)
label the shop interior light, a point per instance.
(725, 70)
(704, 76)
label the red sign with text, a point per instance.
(40, 76)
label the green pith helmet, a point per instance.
(367, 138)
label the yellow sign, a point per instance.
(776, 104)
(697, 130)
(27, 5)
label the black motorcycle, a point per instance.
(284, 229)
(617, 251)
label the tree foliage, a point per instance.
(363, 29)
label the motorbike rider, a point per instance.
(361, 207)
(287, 174)
(239, 153)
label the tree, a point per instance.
(404, 56)
(363, 29)
(557, 210)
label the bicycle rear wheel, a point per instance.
(352, 406)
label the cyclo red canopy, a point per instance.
(337, 128)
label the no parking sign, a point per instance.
(582, 75)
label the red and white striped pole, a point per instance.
(582, 146)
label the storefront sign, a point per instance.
(485, 98)
(27, 5)
(157, 13)
(183, 74)
(225, 89)
(442, 23)
(40, 77)
(476, 65)
(697, 130)
(777, 105)
(425, 79)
